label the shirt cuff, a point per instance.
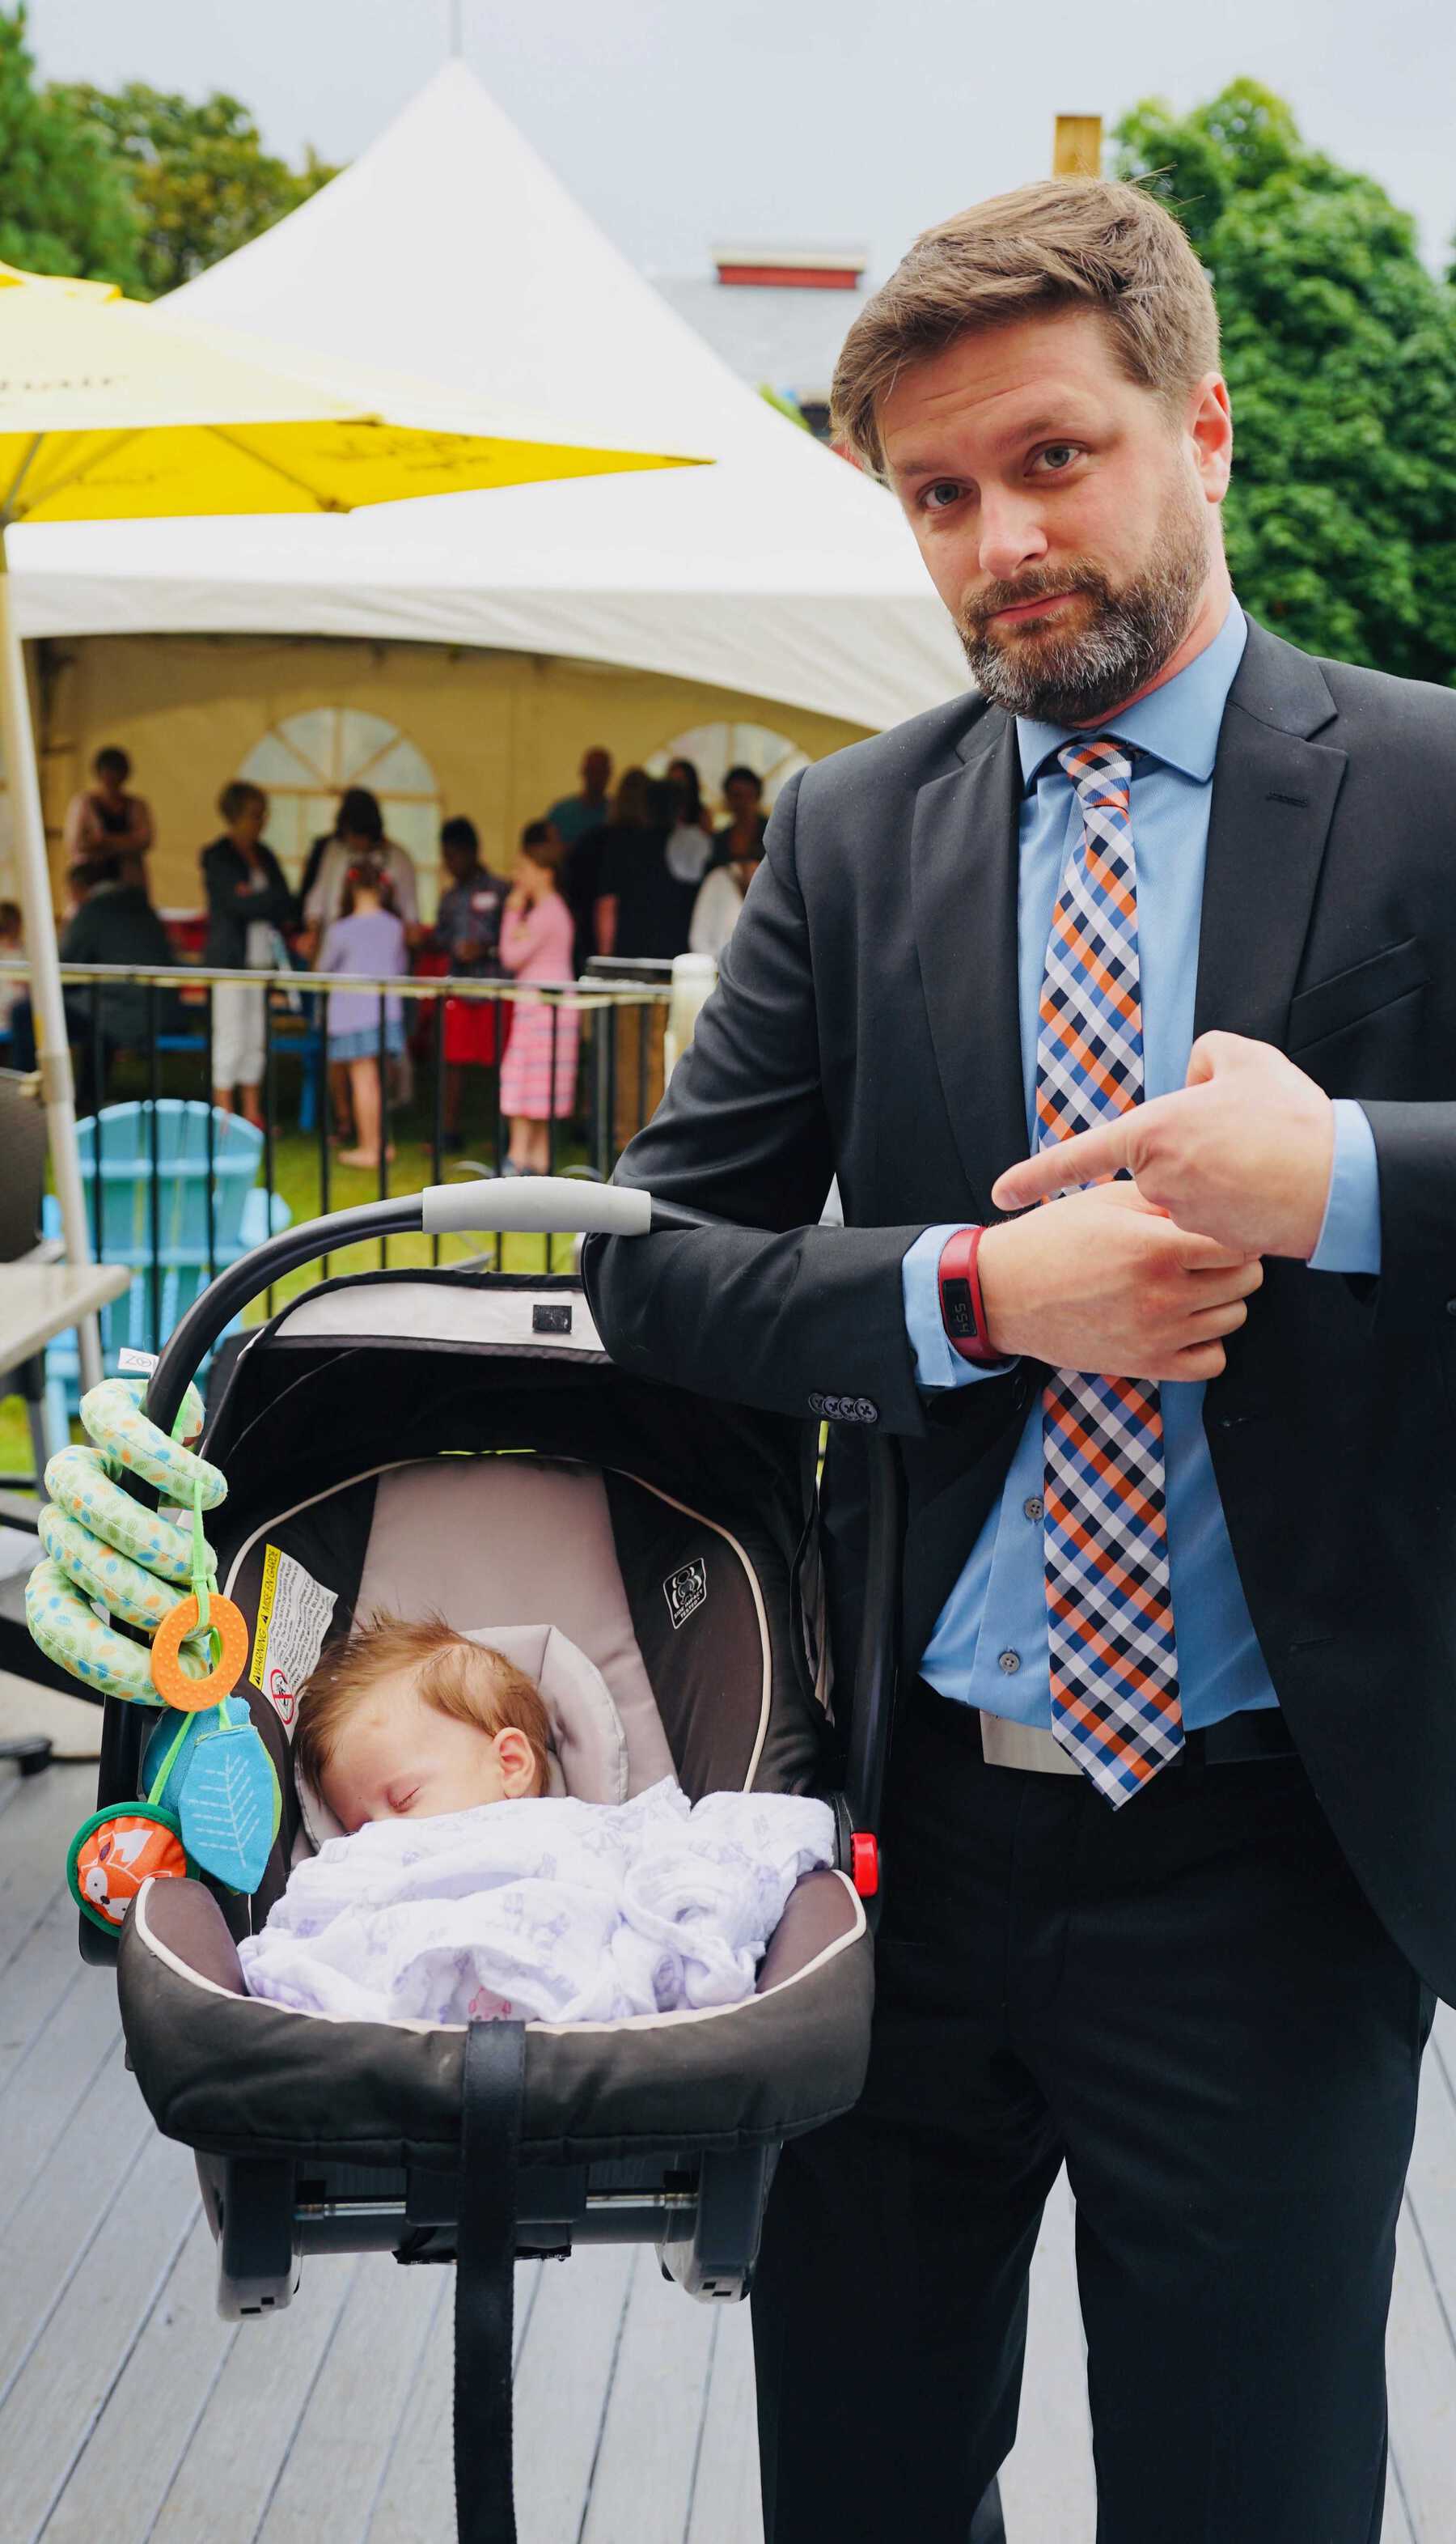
(937, 1365)
(1350, 1239)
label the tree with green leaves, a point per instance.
(65, 207)
(201, 181)
(1339, 349)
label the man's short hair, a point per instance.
(1063, 243)
(745, 776)
(112, 761)
(459, 832)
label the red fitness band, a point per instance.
(963, 1309)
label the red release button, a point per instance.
(864, 1863)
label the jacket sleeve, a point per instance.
(772, 1309)
(1415, 1153)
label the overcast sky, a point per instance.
(677, 122)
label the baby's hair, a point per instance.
(469, 1681)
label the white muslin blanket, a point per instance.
(557, 1910)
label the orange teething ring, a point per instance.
(195, 1695)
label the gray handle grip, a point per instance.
(535, 1205)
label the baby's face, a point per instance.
(398, 1757)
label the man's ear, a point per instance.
(517, 1762)
(1211, 428)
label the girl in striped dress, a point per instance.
(536, 935)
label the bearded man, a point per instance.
(1169, 1821)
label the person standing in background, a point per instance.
(467, 931)
(538, 1076)
(721, 897)
(683, 778)
(649, 878)
(367, 936)
(113, 923)
(575, 815)
(248, 902)
(742, 834)
(104, 820)
(358, 837)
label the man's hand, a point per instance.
(1243, 1153)
(1104, 1281)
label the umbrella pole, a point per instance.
(57, 1086)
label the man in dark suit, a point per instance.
(1168, 1828)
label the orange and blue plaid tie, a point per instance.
(1115, 1701)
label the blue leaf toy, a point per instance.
(182, 1728)
(230, 1804)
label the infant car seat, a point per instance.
(459, 1443)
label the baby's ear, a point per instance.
(517, 1762)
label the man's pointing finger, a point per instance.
(1066, 1166)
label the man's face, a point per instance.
(596, 773)
(459, 859)
(1066, 515)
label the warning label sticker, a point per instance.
(293, 1617)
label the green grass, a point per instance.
(296, 1176)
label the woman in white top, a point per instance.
(719, 900)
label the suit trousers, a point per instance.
(1191, 2003)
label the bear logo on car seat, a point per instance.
(685, 1591)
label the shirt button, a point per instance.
(1035, 1508)
(1009, 1663)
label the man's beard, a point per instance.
(1076, 675)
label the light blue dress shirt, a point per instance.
(989, 1645)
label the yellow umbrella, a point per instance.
(109, 410)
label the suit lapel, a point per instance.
(1273, 799)
(964, 862)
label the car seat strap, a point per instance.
(494, 2082)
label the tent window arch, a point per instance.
(304, 764)
(714, 749)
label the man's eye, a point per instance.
(1058, 456)
(943, 487)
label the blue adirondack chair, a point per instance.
(123, 1137)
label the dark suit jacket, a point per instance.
(865, 1024)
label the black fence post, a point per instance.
(154, 1195)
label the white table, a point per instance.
(38, 1301)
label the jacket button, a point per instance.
(1451, 1307)
(1009, 1663)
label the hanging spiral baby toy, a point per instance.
(210, 1799)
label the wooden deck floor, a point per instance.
(128, 2413)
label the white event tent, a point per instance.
(449, 249)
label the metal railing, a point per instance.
(167, 1048)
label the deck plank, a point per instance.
(563, 2386)
(64, 2385)
(223, 2485)
(126, 2465)
(343, 2442)
(643, 2487)
(37, 1977)
(48, 2235)
(1422, 2396)
(725, 2507)
(50, 2082)
(1047, 2484)
(41, 1821)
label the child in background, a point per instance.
(368, 937)
(467, 931)
(536, 939)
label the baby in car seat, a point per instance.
(415, 1720)
(438, 1905)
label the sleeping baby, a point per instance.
(465, 1890)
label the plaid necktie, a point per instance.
(1115, 1702)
